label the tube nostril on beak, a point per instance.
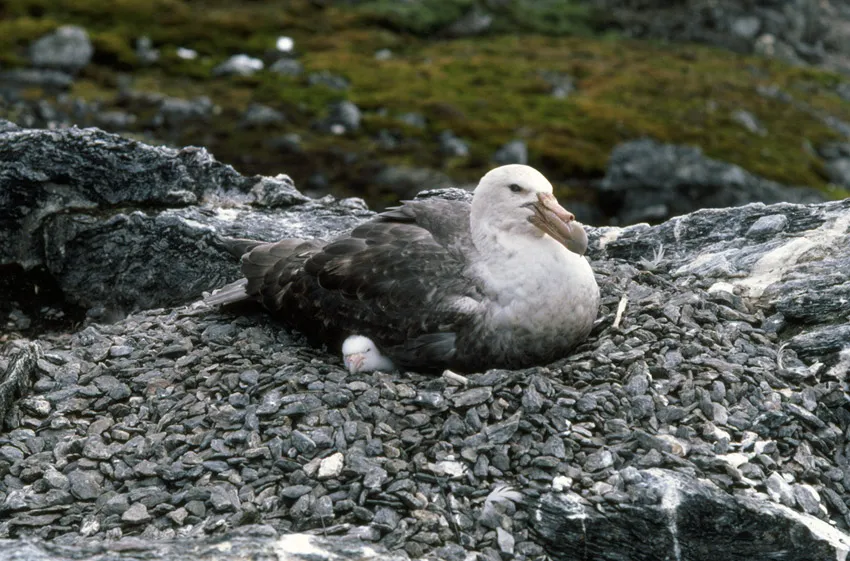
(559, 223)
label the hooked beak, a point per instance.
(354, 362)
(558, 222)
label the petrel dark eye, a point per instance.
(515, 188)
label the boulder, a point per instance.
(54, 182)
(238, 65)
(704, 418)
(50, 80)
(68, 48)
(514, 152)
(796, 31)
(452, 146)
(287, 67)
(343, 116)
(405, 182)
(258, 115)
(647, 181)
(474, 22)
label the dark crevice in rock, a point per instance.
(32, 303)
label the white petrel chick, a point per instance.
(360, 354)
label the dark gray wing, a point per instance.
(236, 291)
(447, 221)
(399, 280)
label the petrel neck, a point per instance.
(504, 242)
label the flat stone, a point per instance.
(472, 397)
(136, 514)
(331, 466)
(85, 484)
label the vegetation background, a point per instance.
(559, 75)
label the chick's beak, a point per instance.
(559, 223)
(354, 362)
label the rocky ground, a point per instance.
(190, 422)
(710, 402)
(706, 417)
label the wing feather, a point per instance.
(393, 279)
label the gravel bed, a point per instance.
(191, 421)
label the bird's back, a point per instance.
(393, 279)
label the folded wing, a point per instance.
(399, 280)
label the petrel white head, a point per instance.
(360, 354)
(518, 200)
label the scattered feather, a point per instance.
(503, 493)
(655, 262)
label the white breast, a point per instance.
(539, 293)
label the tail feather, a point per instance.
(268, 269)
(229, 294)
(237, 247)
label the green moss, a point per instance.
(114, 50)
(548, 17)
(16, 34)
(627, 90)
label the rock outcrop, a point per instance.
(248, 542)
(648, 181)
(705, 418)
(797, 31)
(56, 185)
(68, 48)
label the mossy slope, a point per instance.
(487, 89)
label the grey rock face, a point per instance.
(647, 181)
(18, 377)
(250, 542)
(796, 31)
(713, 384)
(676, 512)
(258, 115)
(38, 77)
(238, 65)
(68, 48)
(514, 152)
(406, 182)
(54, 182)
(342, 117)
(287, 67)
